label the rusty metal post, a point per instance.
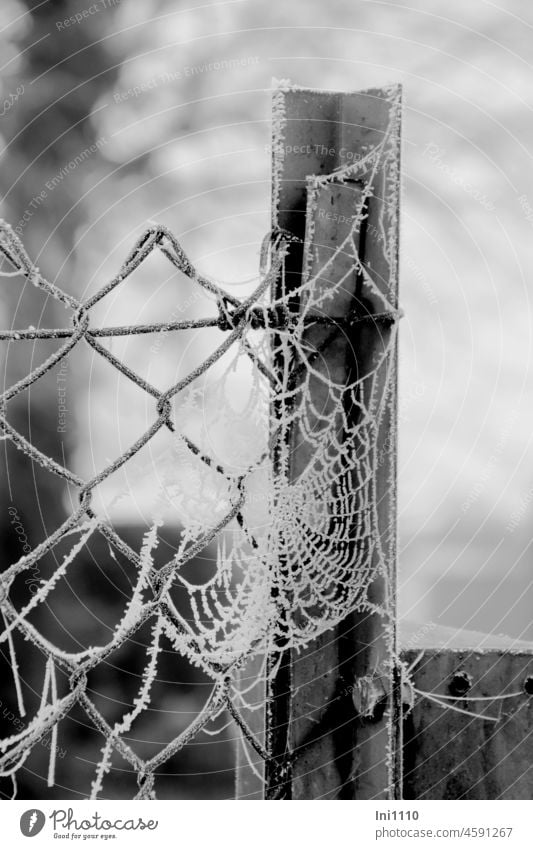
(319, 746)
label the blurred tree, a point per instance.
(61, 72)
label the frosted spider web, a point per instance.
(280, 475)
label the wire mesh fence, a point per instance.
(65, 676)
(295, 554)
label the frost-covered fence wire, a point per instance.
(295, 556)
(233, 316)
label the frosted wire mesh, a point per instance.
(285, 569)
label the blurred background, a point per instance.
(164, 109)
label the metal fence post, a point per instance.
(319, 745)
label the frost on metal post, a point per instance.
(336, 161)
(280, 451)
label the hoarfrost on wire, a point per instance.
(286, 543)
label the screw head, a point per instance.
(528, 685)
(461, 682)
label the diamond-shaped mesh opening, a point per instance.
(84, 604)
(177, 692)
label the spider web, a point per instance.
(292, 508)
